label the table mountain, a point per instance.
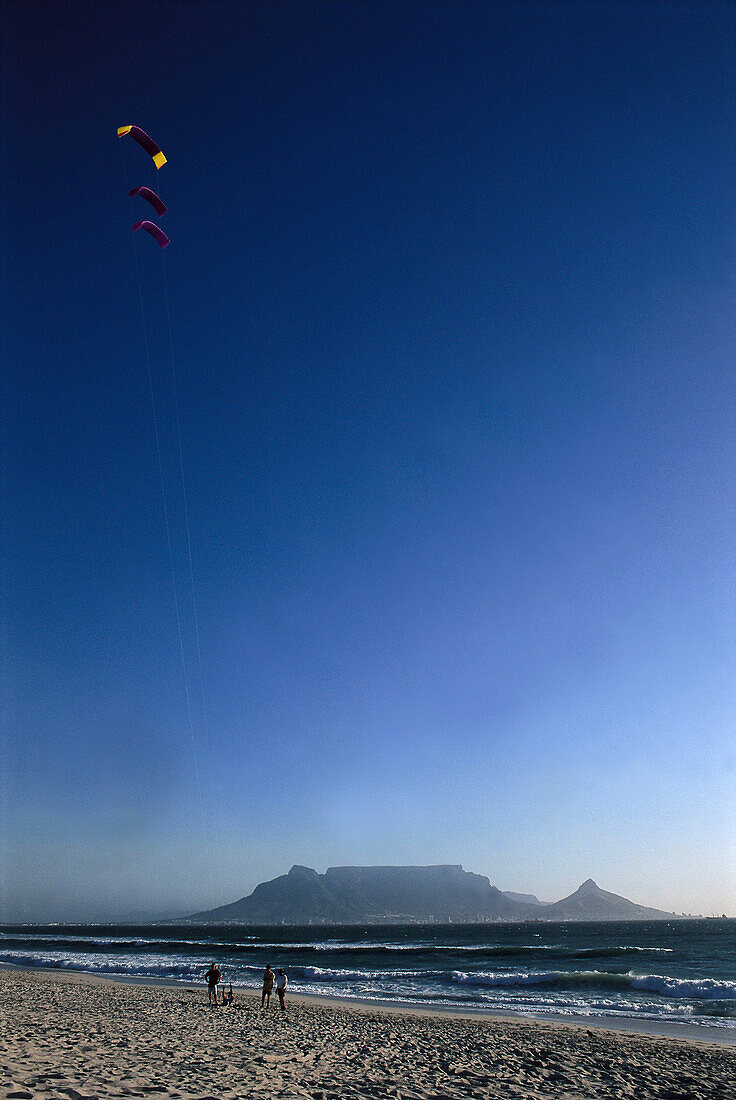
(363, 894)
(358, 895)
(529, 899)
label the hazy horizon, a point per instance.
(444, 344)
(91, 912)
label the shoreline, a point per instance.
(680, 1031)
(89, 1037)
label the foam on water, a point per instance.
(703, 989)
(511, 969)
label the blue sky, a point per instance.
(450, 305)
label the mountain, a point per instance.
(301, 896)
(528, 899)
(363, 894)
(360, 895)
(345, 895)
(589, 902)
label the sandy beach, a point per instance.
(75, 1037)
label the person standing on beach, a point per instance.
(281, 989)
(213, 976)
(268, 977)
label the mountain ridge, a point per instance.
(396, 894)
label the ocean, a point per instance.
(651, 974)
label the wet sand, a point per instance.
(74, 1037)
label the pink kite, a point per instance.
(146, 193)
(156, 233)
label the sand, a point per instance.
(75, 1037)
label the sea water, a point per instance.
(626, 973)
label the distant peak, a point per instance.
(297, 869)
(589, 884)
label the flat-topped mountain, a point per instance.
(361, 895)
(528, 899)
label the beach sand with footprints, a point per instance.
(74, 1037)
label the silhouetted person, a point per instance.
(213, 976)
(268, 977)
(281, 989)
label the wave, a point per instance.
(702, 989)
(169, 965)
(692, 989)
(463, 949)
(248, 945)
(108, 966)
(135, 944)
(329, 974)
(613, 952)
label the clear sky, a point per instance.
(452, 304)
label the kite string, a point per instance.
(205, 726)
(167, 524)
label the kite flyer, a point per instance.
(268, 979)
(213, 977)
(281, 988)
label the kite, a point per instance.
(157, 233)
(146, 193)
(145, 142)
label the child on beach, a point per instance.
(268, 977)
(281, 989)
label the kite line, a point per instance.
(155, 231)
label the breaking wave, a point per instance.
(700, 989)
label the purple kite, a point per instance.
(156, 233)
(146, 193)
(145, 142)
